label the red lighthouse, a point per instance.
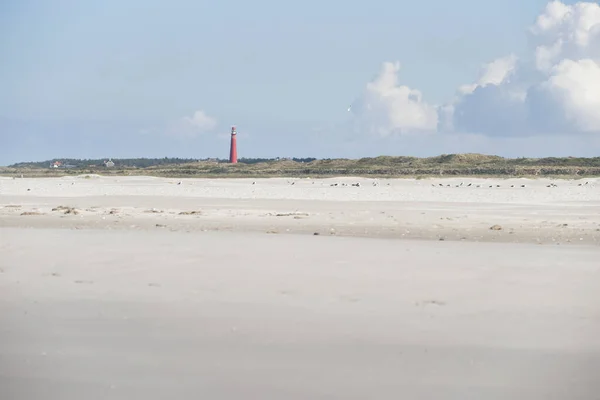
(233, 148)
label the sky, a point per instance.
(156, 78)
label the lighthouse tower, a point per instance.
(233, 147)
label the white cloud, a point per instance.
(494, 104)
(554, 89)
(198, 123)
(564, 31)
(386, 107)
(494, 73)
(575, 87)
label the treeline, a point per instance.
(442, 165)
(141, 162)
(119, 162)
(445, 160)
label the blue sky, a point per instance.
(123, 78)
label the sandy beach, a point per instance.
(347, 288)
(543, 211)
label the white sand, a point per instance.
(395, 208)
(114, 306)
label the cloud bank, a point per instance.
(553, 90)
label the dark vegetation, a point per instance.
(384, 166)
